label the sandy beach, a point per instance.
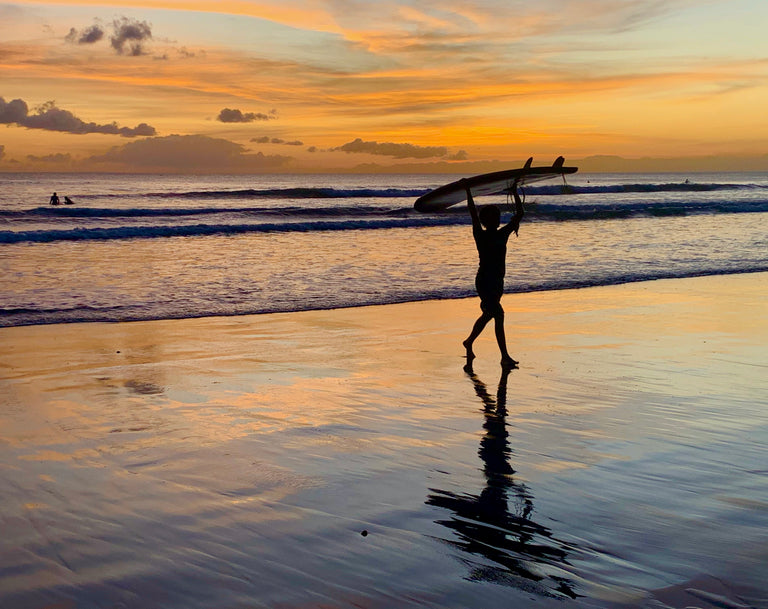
(344, 458)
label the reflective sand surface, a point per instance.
(237, 462)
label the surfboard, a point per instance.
(489, 184)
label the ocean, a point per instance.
(141, 247)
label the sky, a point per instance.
(238, 86)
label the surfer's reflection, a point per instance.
(497, 524)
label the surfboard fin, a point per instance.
(528, 163)
(558, 162)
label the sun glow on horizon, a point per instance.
(474, 82)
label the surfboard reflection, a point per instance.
(498, 523)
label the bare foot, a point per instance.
(470, 353)
(508, 362)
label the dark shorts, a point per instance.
(490, 290)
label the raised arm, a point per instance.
(472, 208)
(514, 223)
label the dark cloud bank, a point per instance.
(51, 118)
(189, 153)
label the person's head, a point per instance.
(490, 216)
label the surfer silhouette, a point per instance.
(54, 199)
(491, 240)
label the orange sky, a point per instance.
(329, 85)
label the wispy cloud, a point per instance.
(56, 158)
(265, 139)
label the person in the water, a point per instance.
(491, 240)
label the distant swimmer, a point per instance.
(54, 199)
(68, 201)
(491, 244)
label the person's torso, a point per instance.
(492, 250)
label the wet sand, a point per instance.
(345, 459)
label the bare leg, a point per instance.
(501, 339)
(479, 326)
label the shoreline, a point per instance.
(507, 295)
(236, 461)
